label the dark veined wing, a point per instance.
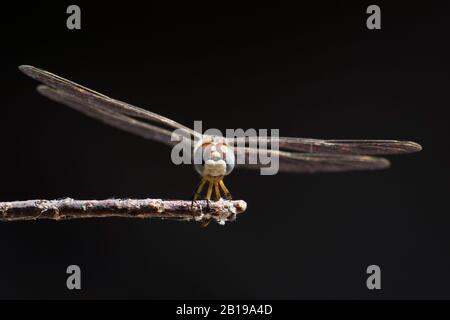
(118, 120)
(295, 162)
(318, 146)
(312, 155)
(108, 110)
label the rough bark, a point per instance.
(65, 209)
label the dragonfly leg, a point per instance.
(206, 223)
(198, 191)
(225, 190)
(210, 188)
(217, 190)
(212, 183)
(199, 188)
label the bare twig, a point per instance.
(64, 209)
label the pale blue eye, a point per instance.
(229, 160)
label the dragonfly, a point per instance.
(296, 155)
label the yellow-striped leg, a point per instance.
(217, 190)
(198, 191)
(199, 188)
(208, 193)
(225, 190)
(210, 188)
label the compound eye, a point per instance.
(199, 160)
(217, 155)
(228, 157)
(224, 149)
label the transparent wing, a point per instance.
(351, 147)
(310, 163)
(104, 108)
(313, 155)
(118, 120)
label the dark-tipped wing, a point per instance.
(318, 146)
(295, 162)
(108, 110)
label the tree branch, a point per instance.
(65, 209)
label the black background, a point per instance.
(309, 70)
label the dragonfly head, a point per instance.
(217, 157)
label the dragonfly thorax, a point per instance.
(214, 158)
